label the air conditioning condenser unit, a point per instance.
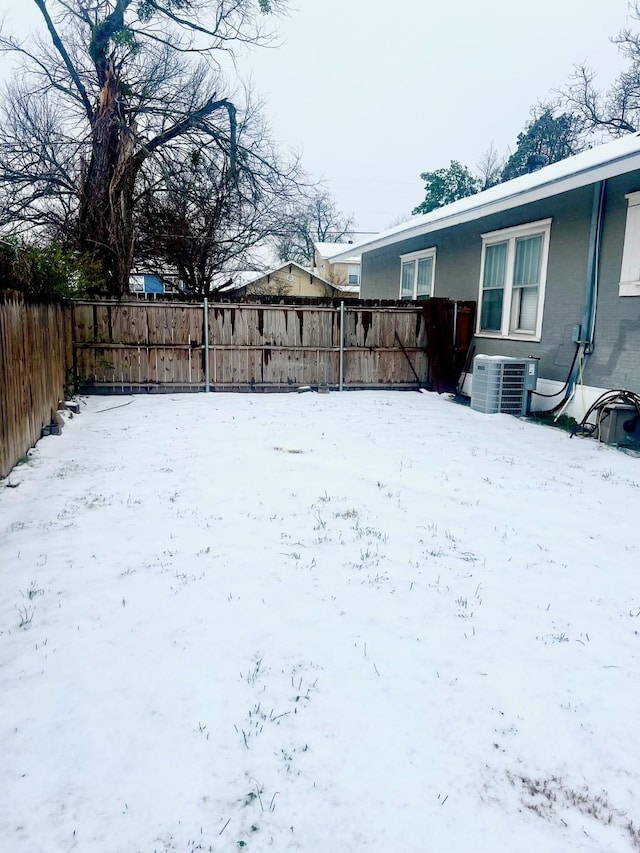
(503, 384)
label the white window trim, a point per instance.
(630, 270)
(422, 255)
(355, 274)
(510, 235)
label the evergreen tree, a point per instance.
(546, 138)
(446, 185)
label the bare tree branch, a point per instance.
(59, 45)
(617, 110)
(126, 91)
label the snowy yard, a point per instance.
(318, 622)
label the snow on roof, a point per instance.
(596, 164)
(245, 277)
(225, 281)
(328, 250)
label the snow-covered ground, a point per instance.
(318, 622)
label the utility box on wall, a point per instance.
(619, 424)
(503, 384)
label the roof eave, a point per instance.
(552, 187)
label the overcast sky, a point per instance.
(375, 93)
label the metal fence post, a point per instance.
(206, 345)
(341, 377)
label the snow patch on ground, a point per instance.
(359, 621)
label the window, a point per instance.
(630, 272)
(354, 274)
(512, 280)
(417, 274)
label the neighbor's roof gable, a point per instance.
(596, 164)
(244, 278)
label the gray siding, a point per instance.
(615, 362)
(616, 358)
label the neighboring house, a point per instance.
(164, 280)
(552, 259)
(345, 272)
(288, 279)
(145, 283)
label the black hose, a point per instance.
(567, 380)
(609, 398)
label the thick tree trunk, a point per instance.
(105, 224)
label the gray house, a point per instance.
(553, 261)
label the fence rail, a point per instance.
(35, 355)
(158, 345)
(116, 347)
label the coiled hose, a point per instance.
(591, 423)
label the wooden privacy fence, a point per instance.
(35, 355)
(113, 347)
(129, 346)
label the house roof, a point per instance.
(328, 250)
(596, 164)
(246, 277)
(226, 281)
(348, 288)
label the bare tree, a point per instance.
(314, 219)
(489, 167)
(615, 111)
(202, 216)
(115, 83)
(400, 219)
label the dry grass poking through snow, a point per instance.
(552, 798)
(371, 622)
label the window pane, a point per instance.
(406, 290)
(491, 315)
(495, 264)
(525, 309)
(526, 277)
(528, 260)
(425, 267)
(354, 274)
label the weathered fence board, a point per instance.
(35, 356)
(146, 346)
(149, 345)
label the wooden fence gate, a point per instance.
(147, 346)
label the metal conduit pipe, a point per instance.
(584, 344)
(587, 330)
(593, 262)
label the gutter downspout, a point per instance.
(591, 289)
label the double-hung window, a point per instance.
(353, 274)
(513, 275)
(417, 273)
